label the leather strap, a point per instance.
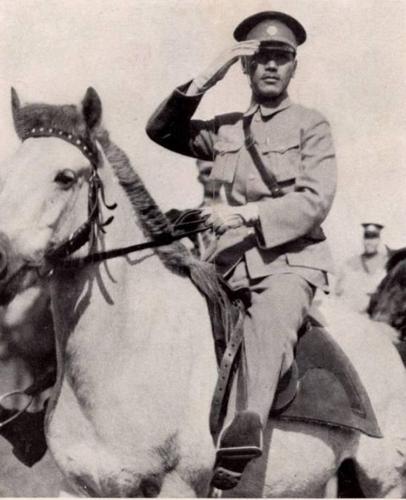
(242, 381)
(228, 367)
(267, 176)
(188, 223)
(94, 258)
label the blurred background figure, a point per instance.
(211, 187)
(361, 274)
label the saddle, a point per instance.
(321, 387)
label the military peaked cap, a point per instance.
(372, 229)
(271, 26)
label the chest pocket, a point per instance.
(227, 159)
(284, 160)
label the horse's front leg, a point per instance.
(66, 491)
(331, 490)
(176, 487)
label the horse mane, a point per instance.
(395, 271)
(388, 301)
(153, 221)
(396, 256)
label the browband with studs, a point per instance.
(86, 147)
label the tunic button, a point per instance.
(251, 177)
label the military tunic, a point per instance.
(359, 278)
(295, 143)
(285, 257)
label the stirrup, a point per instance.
(230, 465)
(225, 479)
(240, 443)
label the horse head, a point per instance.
(388, 303)
(44, 186)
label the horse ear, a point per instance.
(15, 108)
(15, 103)
(389, 251)
(15, 100)
(92, 108)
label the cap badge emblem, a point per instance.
(272, 30)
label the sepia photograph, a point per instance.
(203, 248)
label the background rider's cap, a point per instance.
(372, 230)
(271, 27)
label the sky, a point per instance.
(352, 68)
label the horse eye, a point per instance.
(66, 178)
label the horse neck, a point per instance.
(129, 308)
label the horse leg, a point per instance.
(303, 460)
(381, 467)
(396, 492)
(331, 490)
(174, 486)
(66, 491)
(67, 494)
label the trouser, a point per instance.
(279, 305)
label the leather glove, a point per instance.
(220, 66)
(224, 217)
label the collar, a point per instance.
(267, 111)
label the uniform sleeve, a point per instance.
(298, 212)
(172, 127)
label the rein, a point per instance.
(94, 258)
(89, 230)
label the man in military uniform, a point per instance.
(361, 274)
(277, 164)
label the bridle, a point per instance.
(88, 232)
(188, 224)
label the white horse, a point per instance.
(136, 364)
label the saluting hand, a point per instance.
(218, 69)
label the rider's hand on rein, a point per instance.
(224, 217)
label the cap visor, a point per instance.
(279, 45)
